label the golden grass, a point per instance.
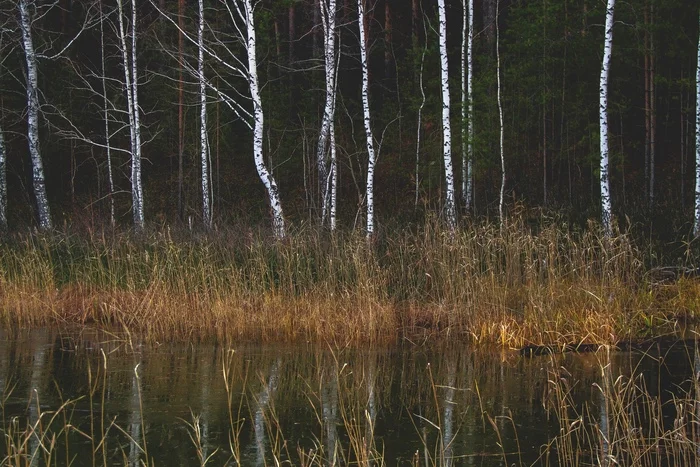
(499, 286)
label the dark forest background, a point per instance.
(551, 52)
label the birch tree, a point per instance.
(181, 112)
(500, 117)
(131, 89)
(368, 127)
(696, 226)
(258, 117)
(326, 144)
(467, 102)
(450, 213)
(42, 203)
(105, 109)
(220, 50)
(3, 184)
(204, 144)
(3, 153)
(606, 211)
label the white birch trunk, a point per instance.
(334, 180)
(204, 146)
(470, 109)
(108, 147)
(264, 174)
(606, 210)
(42, 203)
(450, 213)
(325, 143)
(696, 227)
(3, 184)
(500, 118)
(467, 106)
(367, 121)
(135, 153)
(136, 189)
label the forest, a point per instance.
(513, 172)
(142, 112)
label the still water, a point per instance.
(99, 399)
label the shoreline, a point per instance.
(509, 288)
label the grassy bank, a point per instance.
(506, 286)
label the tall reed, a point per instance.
(509, 286)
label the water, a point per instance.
(450, 405)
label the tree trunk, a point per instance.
(606, 210)
(325, 143)
(204, 142)
(696, 226)
(108, 147)
(419, 125)
(488, 11)
(647, 107)
(450, 213)
(544, 102)
(135, 142)
(500, 118)
(263, 172)
(3, 185)
(42, 203)
(388, 41)
(334, 181)
(652, 112)
(181, 112)
(137, 189)
(467, 104)
(367, 122)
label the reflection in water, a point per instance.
(263, 402)
(448, 414)
(329, 404)
(135, 419)
(35, 395)
(604, 455)
(696, 383)
(410, 405)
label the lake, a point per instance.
(94, 398)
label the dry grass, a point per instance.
(509, 287)
(625, 424)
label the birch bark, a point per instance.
(367, 122)
(606, 210)
(500, 116)
(42, 203)
(264, 174)
(181, 112)
(3, 185)
(334, 180)
(134, 141)
(696, 227)
(450, 213)
(137, 189)
(325, 142)
(108, 147)
(204, 143)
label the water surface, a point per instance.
(449, 405)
